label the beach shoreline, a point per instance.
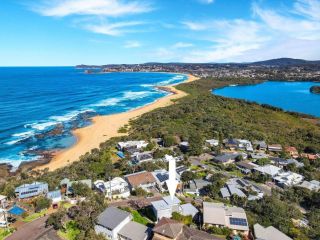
(104, 127)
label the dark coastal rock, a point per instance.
(4, 171)
(315, 89)
(57, 130)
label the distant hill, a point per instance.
(279, 62)
(284, 62)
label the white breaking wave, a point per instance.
(23, 134)
(54, 120)
(18, 137)
(130, 95)
(165, 82)
(41, 126)
(15, 161)
(69, 116)
(147, 85)
(107, 102)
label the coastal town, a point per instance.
(285, 68)
(212, 198)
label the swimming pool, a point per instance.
(15, 210)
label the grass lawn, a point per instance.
(220, 236)
(71, 232)
(138, 218)
(34, 216)
(5, 233)
(66, 205)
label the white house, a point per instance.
(55, 196)
(244, 144)
(117, 187)
(288, 179)
(166, 206)
(31, 190)
(3, 201)
(138, 157)
(161, 176)
(218, 214)
(132, 144)
(116, 224)
(312, 185)
(212, 142)
(3, 218)
(269, 170)
(275, 148)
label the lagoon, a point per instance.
(290, 96)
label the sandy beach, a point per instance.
(106, 127)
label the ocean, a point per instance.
(41, 105)
(290, 96)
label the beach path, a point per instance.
(106, 127)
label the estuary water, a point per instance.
(290, 96)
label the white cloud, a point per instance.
(292, 32)
(132, 44)
(206, 1)
(182, 45)
(95, 15)
(111, 8)
(112, 29)
(304, 26)
(229, 38)
(308, 8)
(195, 26)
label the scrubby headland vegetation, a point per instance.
(204, 115)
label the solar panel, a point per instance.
(238, 221)
(162, 177)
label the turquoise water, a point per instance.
(39, 106)
(290, 96)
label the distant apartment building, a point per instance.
(31, 190)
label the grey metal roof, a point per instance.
(54, 194)
(235, 191)
(189, 209)
(225, 192)
(268, 233)
(165, 203)
(134, 231)
(226, 157)
(111, 217)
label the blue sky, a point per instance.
(70, 32)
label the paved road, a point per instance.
(35, 230)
